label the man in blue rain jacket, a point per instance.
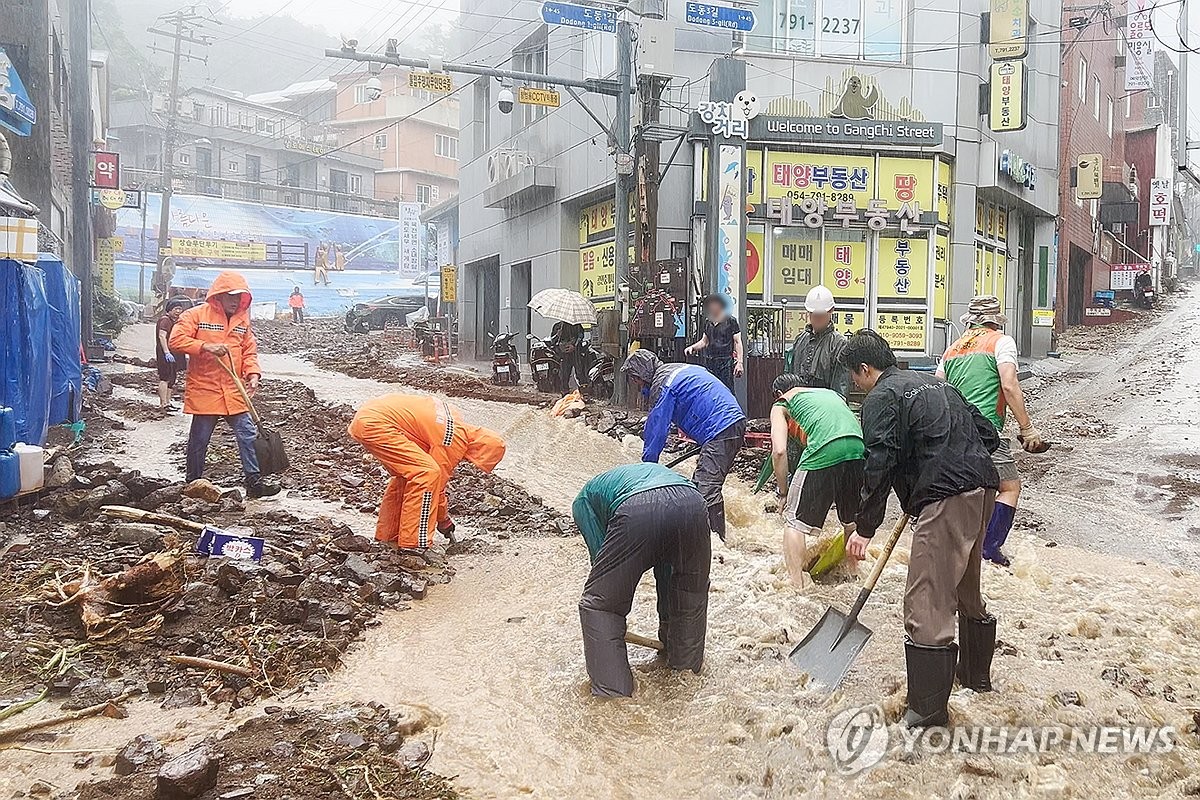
(703, 409)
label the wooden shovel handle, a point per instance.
(888, 546)
(241, 390)
(644, 641)
(125, 512)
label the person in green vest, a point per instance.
(635, 518)
(830, 469)
(982, 365)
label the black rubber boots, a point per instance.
(977, 643)
(930, 679)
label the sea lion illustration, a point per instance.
(854, 104)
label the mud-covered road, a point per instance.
(1122, 406)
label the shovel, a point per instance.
(268, 445)
(684, 456)
(829, 649)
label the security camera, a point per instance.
(505, 100)
(374, 87)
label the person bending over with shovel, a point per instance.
(933, 447)
(420, 439)
(703, 409)
(211, 333)
(635, 518)
(830, 469)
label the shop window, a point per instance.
(871, 30)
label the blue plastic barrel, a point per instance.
(8, 428)
(10, 474)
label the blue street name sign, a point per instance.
(573, 16)
(734, 19)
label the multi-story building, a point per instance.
(231, 146)
(868, 164)
(415, 138)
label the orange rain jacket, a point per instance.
(209, 389)
(420, 439)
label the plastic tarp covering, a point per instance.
(66, 367)
(25, 349)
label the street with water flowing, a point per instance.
(1097, 623)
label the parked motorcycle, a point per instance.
(506, 362)
(545, 365)
(601, 372)
(1143, 294)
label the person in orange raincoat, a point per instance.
(420, 439)
(220, 329)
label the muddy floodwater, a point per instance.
(495, 657)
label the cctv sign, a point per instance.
(106, 170)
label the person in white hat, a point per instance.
(982, 365)
(815, 355)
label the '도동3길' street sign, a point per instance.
(734, 19)
(572, 16)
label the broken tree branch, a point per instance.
(90, 711)
(218, 666)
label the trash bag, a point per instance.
(66, 369)
(25, 358)
(572, 400)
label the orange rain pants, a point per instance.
(419, 439)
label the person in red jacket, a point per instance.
(219, 330)
(420, 439)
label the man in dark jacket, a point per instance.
(933, 448)
(703, 409)
(815, 355)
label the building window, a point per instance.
(381, 141)
(254, 168)
(446, 146)
(424, 95)
(424, 193)
(1110, 117)
(152, 162)
(871, 30)
(1096, 99)
(1152, 99)
(435, 194)
(356, 184)
(532, 56)
(214, 116)
(185, 158)
(1082, 83)
(1128, 105)
(362, 94)
(234, 167)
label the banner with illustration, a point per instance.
(214, 231)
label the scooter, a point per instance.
(545, 365)
(506, 362)
(1144, 295)
(601, 371)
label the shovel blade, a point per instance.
(824, 661)
(272, 457)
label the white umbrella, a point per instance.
(565, 305)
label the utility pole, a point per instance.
(185, 22)
(624, 159)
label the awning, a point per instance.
(16, 111)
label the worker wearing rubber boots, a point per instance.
(830, 469)
(214, 331)
(982, 365)
(934, 448)
(635, 518)
(420, 439)
(703, 409)
(815, 353)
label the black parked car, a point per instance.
(386, 313)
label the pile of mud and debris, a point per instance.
(285, 754)
(108, 606)
(388, 357)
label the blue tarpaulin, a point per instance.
(66, 368)
(25, 345)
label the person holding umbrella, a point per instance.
(572, 311)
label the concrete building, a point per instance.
(231, 146)
(884, 119)
(416, 142)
